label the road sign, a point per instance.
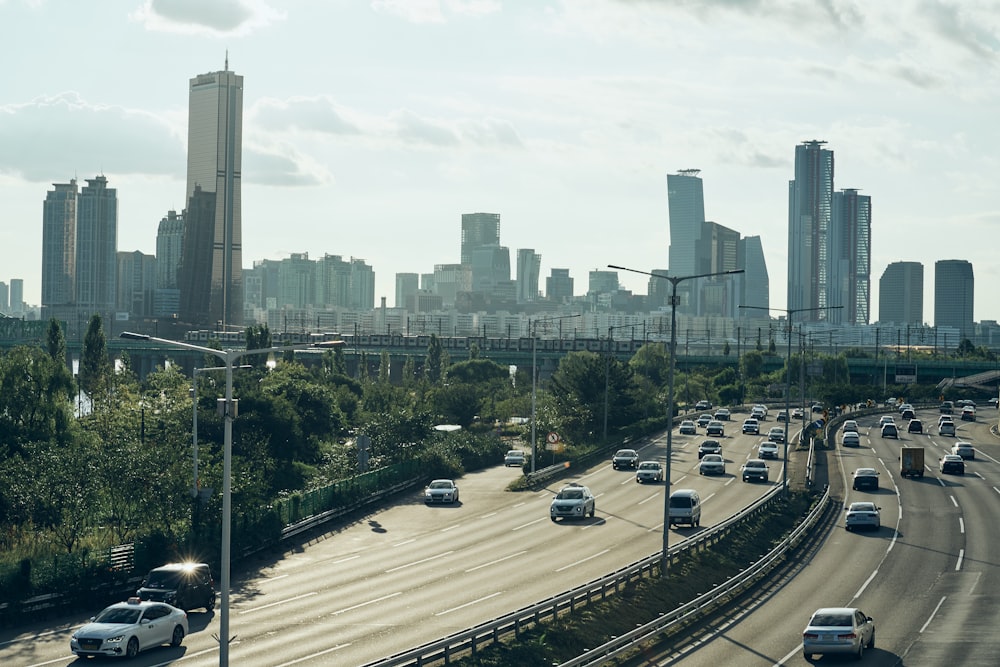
(552, 437)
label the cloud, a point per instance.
(435, 11)
(214, 18)
(308, 114)
(57, 136)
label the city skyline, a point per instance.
(417, 113)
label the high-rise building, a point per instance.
(754, 285)
(717, 250)
(490, 268)
(16, 296)
(810, 200)
(602, 282)
(4, 298)
(211, 287)
(953, 296)
(686, 205)
(407, 285)
(479, 229)
(901, 294)
(136, 278)
(559, 286)
(850, 258)
(529, 265)
(97, 249)
(59, 249)
(169, 246)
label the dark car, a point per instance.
(182, 585)
(709, 447)
(952, 463)
(915, 426)
(703, 405)
(889, 431)
(907, 414)
(625, 458)
(865, 478)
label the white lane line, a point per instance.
(865, 585)
(487, 516)
(467, 604)
(344, 560)
(280, 576)
(953, 501)
(498, 560)
(404, 542)
(933, 614)
(365, 604)
(961, 556)
(584, 560)
(961, 525)
(310, 657)
(445, 530)
(275, 604)
(525, 525)
(652, 497)
(418, 562)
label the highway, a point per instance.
(409, 573)
(930, 577)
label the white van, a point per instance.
(685, 507)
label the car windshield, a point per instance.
(625, 452)
(440, 485)
(862, 507)
(836, 619)
(862, 472)
(163, 579)
(755, 464)
(118, 615)
(571, 494)
(712, 458)
(650, 465)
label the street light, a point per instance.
(790, 312)
(534, 375)
(670, 390)
(227, 356)
(194, 420)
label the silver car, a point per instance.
(712, 464)
(863, 515)
(649, 471)
(574, 501)
(441, 491)
(844, 630)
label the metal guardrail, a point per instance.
(703, 603)
(472, 639)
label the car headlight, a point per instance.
(115, 640)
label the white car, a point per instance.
(751, 427)
(850, 425)
(768, 450)
(886, 419)
(649, 471)
(844, 630)
(759, 412)
(125, 628)
(863, 515)
(441, 491)
(514, 457)
(712, 464)
(574, 501)
(850, 439)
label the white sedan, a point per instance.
(441, 491)
(712, 464)
(125, 628)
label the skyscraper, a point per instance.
(97, 249)
(810, 200)
(953, 295)
(850, 257)
(407, 286)
(754, 285)
(686, 206)
(529, 264)
(59, 249)
(901, 294)
(211, 282)
(479, 229)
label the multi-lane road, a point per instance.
(409, 573)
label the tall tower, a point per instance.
(479, 229)
(59, 249)
(97, 249)
(850, 257)
(953, 291)
(686, 205)
(810, 200)
(529, 264)
(901, 294)
(215, 145)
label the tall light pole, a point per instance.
(790, 312)
(228, 357)
(194, 420)
(533, 325)
(670, 390)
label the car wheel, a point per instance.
(593, 510)
(848, 528)
(210, 605)
(861, 651)
(132, 649)
(871, 641)
(177, 637)
(808, 657)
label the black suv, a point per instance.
(183, 585)
(625, 458)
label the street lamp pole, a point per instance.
(790, 312)
(228, 357)
(194, 420)
(670, 390)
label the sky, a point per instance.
(371, 126)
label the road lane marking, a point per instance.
(418, 562)
(344, 560)
(953, 501)
(445, 530)
(313, 655)
(933, 614)
(275, 604)
(399, 544)
(365, 604)
(652, 497)
(583, 560)
(468, 604)
(958, 563)
(498, 560)
(525, 525)
(961, 525)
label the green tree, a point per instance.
(95, 366)
(434, 367)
